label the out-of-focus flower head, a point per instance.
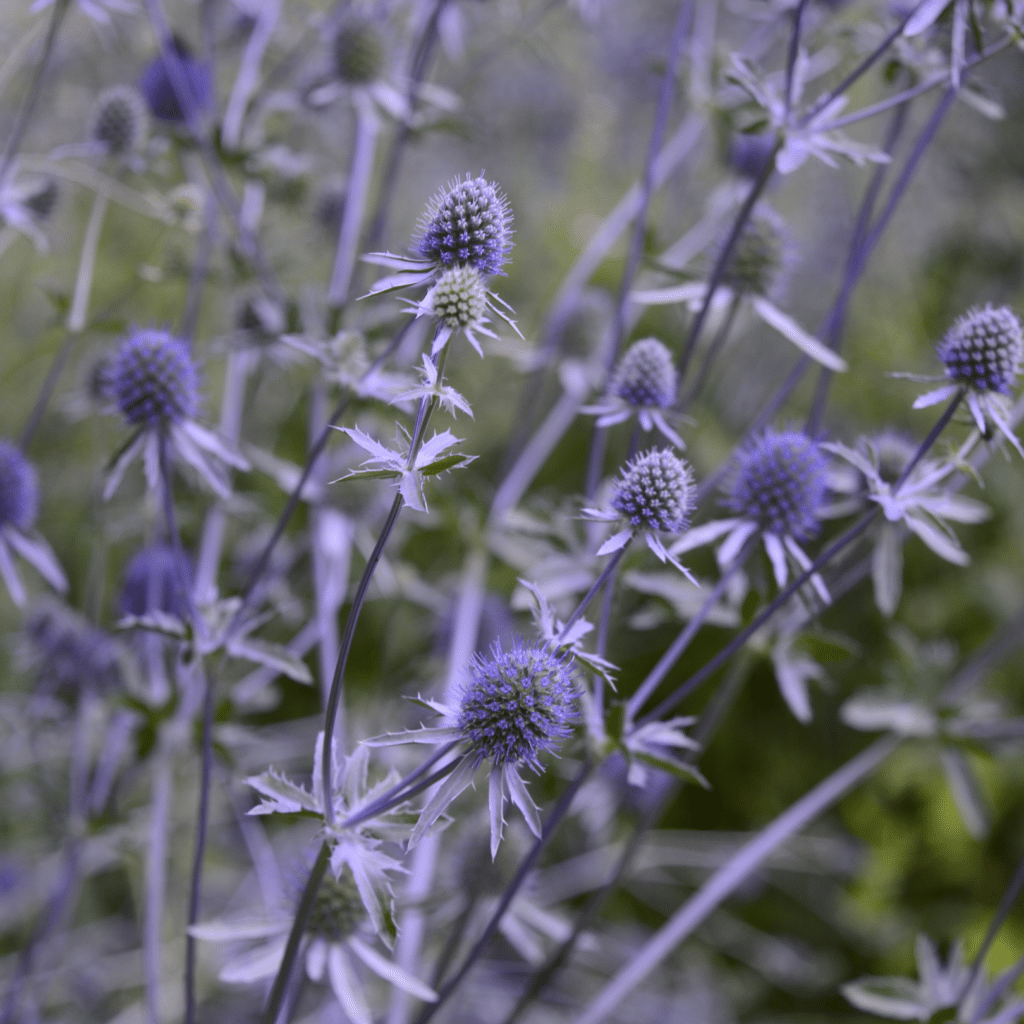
(158, 84)
(154, 580)
(120, 120)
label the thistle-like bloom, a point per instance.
(154, 384)
(19, 505)
(777, 491)
(751, 277)
(517, 705)
(922, 504)
(358, 51)
(460, 301)
(158, 87)
(654, 494)
(156, 579)
(467, 222)
(120, 120)
(945, 991)
(982, 352)
(353, 901)
(644, 384)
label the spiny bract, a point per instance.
(460, 297)
(984, 348)
(119, 119)
(780, 484)
(153, 378)
(19, 493)
(468, 222)
(646, 375)
(654, 492)
(517, 704)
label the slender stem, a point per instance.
(932, 437)
(529, 862)
(248, 75)
(334, 697)
(291, 949)
(60, 9)
(714, 350)
(606, 574)
(87, 264)
(156, 879)
(718, 272)
(46, 391)
(364, 150)
(681, 642)
(733, 873)
(794, 52)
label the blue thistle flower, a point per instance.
(119, 120)
(779, 483)
(654, 492)
(758, 259)
(158, 88)
(19, 489)
(338, 908)
(646, 375)
(153, 379)
(984, 349)
(153, 582)
(517, 704)
(467, 222)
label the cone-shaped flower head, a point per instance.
(153, 378)
(750, 151)
(655, 492)
(460, 297)
(779, 483)
(157, 85)
(646, 375)
(984, 348)
(19, 492)
(119, 119)
(758, 258)
(517, 704)
(154, 581)
(338, 909)
(467, 222)
(358, 52)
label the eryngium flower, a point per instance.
(119, 119)
(154, 581)
(654, 492)
(459, 299)
(467, 222)
(153, 378)
(758, 257)
(19, 491)
(779, 483)
(358, 52)
(517, 704)
(646, 375)
(337, 910)
(158, 87)
(984, 348)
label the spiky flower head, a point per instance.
(646, 375)
(157, 84)
(154, 379)
(459, 298)
(984, 348)
(750, 151)
(517, 704)
(155, 580)
(779, 483)
(19, 491)
(758, 258)
(358, 51)
(338, 909)
(467, 222)
(655, 492)
(119, 119)
(67, 653)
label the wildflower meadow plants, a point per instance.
(495, 628)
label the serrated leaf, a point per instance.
(443, 465)
(271, 655)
